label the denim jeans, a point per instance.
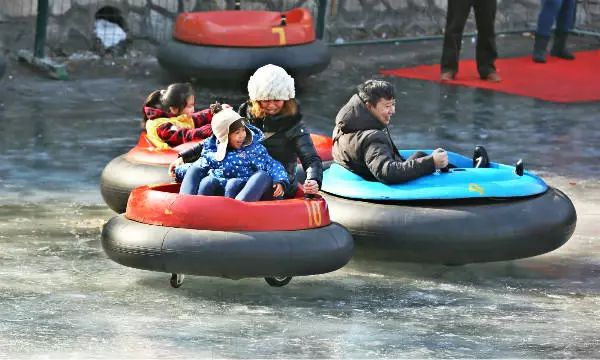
(252, 190)
(191, 180)
(563, 11)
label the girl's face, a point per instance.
(271, 107)
(236, 138)
(188, 109)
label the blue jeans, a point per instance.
(191, 180)
(561, 11)
(252, 190)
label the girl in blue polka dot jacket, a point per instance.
(233, 163)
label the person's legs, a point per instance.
(566, 16)
(456, 17)
(233, 187)
(548, 13)
(547, 16)
(564, 23)
(259, 183)
(486, 54)
(209, 186)
(191, 180)
(540, 45)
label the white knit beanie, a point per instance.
(271, 82)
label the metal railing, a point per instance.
(109, 26)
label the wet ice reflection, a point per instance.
(62, 296)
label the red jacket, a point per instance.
(173, 135)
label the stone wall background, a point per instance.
(148, 22)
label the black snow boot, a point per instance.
(559, 48)
(539, 48)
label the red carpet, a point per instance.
(558, 80)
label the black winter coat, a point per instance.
(287, 140)
(361, 145)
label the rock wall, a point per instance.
(71, 22)
(588, 15)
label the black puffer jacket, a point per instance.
(287, 140)
(361, 144)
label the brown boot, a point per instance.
(492, 77)
(447, 76)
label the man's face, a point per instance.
(383, 110)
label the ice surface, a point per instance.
(61, 297)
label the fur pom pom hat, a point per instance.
(271, 82)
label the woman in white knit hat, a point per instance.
(272, 108)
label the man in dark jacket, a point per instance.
(362, 144)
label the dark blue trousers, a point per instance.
(561, 11)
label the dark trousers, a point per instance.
(456, 17)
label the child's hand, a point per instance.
(177, 162)
(217, 106)
(311, 187)
(277, 190)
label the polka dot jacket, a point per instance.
(241, 163)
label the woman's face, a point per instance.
(236, 138)
(271, 107)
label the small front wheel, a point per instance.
(278, 281)
(176, 280)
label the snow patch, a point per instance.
(109, 33)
